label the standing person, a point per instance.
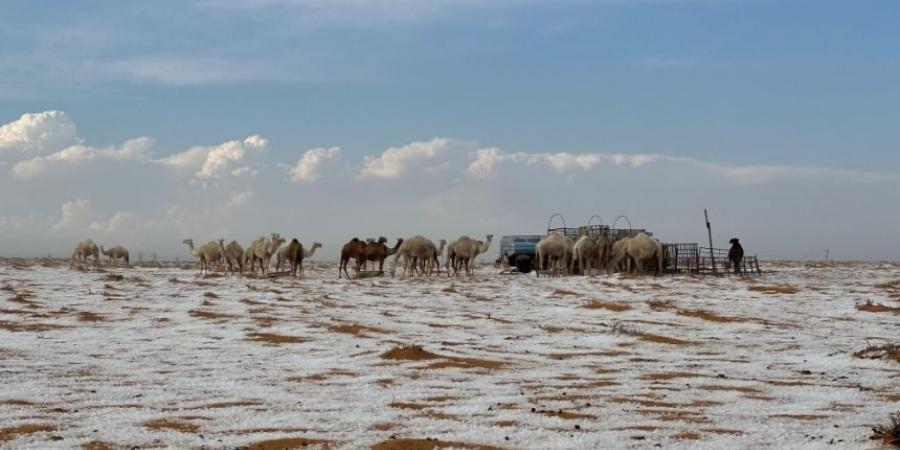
(736, 254)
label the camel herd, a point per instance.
(559, 255)
(418, 255)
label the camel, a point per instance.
(233, 255)
(416, 250)
(355, 249)
(379, 251)
(293, 254)
(372, 248)
(585, 250)
(604, 250)
(116, 253)
(84, 249)
(282, 257)
(556, 249)
(262, 250)
(619, 260)
(206, 253)
(640, 250)
(464, 251)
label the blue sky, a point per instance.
(731, 82)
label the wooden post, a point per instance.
(712, 255)
(826, 256)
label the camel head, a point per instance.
(316, 245)
(189, 242)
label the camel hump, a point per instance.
(354, 240)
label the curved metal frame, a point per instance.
(622, 217)
(592, 218)
(550, 222)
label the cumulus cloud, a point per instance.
(138, 149)
(73, 213)
(38, 132)
(214, 162)
(396, 161)
(309, 165)
(485, 161)
(117, 222)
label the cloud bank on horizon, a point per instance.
(58, 188)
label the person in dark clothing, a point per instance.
(736, 255)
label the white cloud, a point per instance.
(396, 161)
(311, 162)
(216, 161)
(485, 161)
(138, 149)
(38, 132)
(117, 222)
(238, 200)
(73, 213)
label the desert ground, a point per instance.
(161, 358)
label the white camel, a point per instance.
(116, 253)
(207, 253)
(585, 253)
(233, 256)
(84, 249)
(464, 250)
(554, 252)
(261, 250)
(414, 250)
(639, 251)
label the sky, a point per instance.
(143, 123)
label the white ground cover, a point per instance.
(163, 358)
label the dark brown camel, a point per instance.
(379, 251)
(355, 249)
(294, 256)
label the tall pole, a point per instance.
(712, 256)
(826, 256)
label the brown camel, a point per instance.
(294, 257)
(355, 249)
(379, 251)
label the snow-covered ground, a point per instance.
(163, 358)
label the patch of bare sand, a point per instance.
(29, 326)
(610, 306)
(98, 445)
(10, 433)
(662, 376)
(416, 353)
(290, 444)
(87, 316)
(743, 389)
(428, 444)
(356, 329)
(775, 289)
(868, 306)
(710, 316)
(180, 426)
(655, 338)
(276, 339)
(211, 315)
(570, 355)
(799, 416)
